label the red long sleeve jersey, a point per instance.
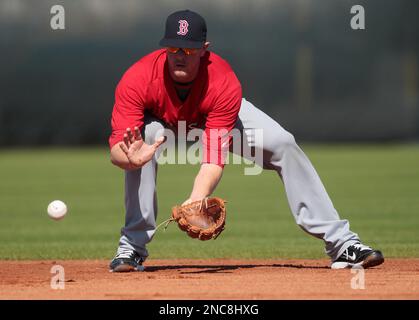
(213, 102)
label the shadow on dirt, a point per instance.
(185, 269)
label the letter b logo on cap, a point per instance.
(183, 27)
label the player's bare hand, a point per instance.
(130, 137)
(137, 151)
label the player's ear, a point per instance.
(205, 47)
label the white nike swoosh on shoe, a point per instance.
(353, 257)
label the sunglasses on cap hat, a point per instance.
(187, 51)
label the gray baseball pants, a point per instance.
(309, 202)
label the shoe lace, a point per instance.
(124, 253)
(361, 247)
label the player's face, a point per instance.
(184, 64)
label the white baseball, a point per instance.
(57, 209)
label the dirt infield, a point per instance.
(210, 279)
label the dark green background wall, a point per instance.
(297, 60)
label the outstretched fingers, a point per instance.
(131, 135)
(137, 134)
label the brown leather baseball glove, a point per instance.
(204, 219)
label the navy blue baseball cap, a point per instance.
(184, 29)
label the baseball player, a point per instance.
(184, 81)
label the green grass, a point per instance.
(375, 187)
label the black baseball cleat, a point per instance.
(358, 255)
(126, 260)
